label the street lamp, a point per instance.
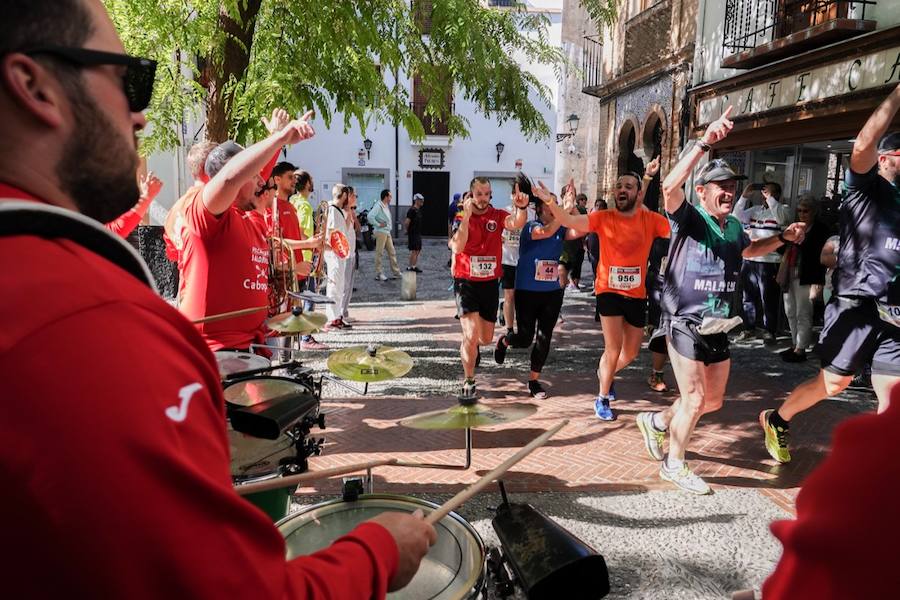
(572, 122)
(367, 144)
(499, 147)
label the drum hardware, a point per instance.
(295, 480)
(229, 315)
(344, 385)
(312, 297)
(271, 418)
(294, 368)
(547, 560)
(295, 321)
(504, 584)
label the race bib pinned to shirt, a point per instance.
(482, 267)
(889, 313)
(624, 278)
(511, 237)
(546, 270)
(339, 244)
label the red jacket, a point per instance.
(843, 543)
(116, 476)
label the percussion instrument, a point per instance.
(469, 416)
(313, 297)
(295, 404)
(453, 567)
(231, 361)
(369, 363)
(296, 322)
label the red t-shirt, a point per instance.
(480, 259)
(125, 224)
(225, 268)
(116, 469)
(290, 226)
(843, 542)
(625, 242)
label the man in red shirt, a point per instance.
(91, 440)
(125, 224)
(477, 246)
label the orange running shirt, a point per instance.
(625, 243)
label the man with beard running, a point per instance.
(862, 320)
(538, 293)
(626, 235)
(477, 247)
(705, 254)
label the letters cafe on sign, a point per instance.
(794, 119)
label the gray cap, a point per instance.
(418, 196)
(889, 143)
(219, 156)
(716, 170)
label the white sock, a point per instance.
(658, 422)
(673, 464)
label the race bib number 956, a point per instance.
(482, 267)
(624, 278)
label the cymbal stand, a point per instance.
(347, 386)
(464, 401)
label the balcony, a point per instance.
(762, 31)
(432, 125)
(591, 63)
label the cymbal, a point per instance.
(293, 322)
(313, 297)
(469, 416)
(369, 363)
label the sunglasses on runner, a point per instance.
(137, 82)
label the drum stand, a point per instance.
(347, 386)
(462, 467)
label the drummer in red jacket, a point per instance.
(115, 470)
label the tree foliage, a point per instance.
(238, 59)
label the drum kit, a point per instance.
(271, 411)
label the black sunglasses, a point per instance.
(137, 83)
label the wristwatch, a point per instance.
(703, 145)
(782, 239)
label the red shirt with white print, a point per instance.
(116, 467)
(225, 268)
(480, 259)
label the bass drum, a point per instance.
(453, 568)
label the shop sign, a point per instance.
(431, 158)
(834, 79)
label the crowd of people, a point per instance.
(132, 480)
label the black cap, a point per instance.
(717, 170)
(890, 142)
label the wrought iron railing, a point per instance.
(592, 61)
(432, 125)
(752, 23)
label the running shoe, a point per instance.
(500, 351)
(417, 269)
(468, 389)
(334, 325)
(657, 383)
(380, 277)
(312, 344)
(345, 324)
(536, 390)
(653, 439)
(685, 479)
(602, 409)
(776, 438)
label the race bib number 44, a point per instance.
(546, 270)
(482, 267)
(624, 278)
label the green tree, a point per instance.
(240, 58)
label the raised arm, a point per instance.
(221, 190)
(649, 174)
(520, 217)
(673, 185)
(458, 242)
(865, 148)
(576, 221)
(794, 232)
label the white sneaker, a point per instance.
(380, 277)
(685, 479)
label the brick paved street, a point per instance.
(589, 461)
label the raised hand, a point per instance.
(278, 121)
(719, 129)
(299, 129)
(520, 199)
(795, 232)
(150, 185)
(652, 167)
(541, 191)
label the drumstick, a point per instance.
(229, 315)
(444, 509)
(274, 484)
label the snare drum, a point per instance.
(254, 459)
(452, 569)
(232, 361)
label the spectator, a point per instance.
(383, 223)
(413, 225)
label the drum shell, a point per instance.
(458, 545)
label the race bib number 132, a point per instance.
(482, 267)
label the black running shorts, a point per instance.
(634, 310)
(480, 297)
(853, 336)
(414, 242)
(708, 349)
(508, 282)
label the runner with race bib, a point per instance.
(626, 234)
(477, 246)
(862, 319)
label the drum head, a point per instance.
(230, 361)
(453, 567)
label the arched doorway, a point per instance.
(628, 160)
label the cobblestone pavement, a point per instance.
(593, 476)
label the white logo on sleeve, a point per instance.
(179, 413)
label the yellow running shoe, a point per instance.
(776, 438)
(653, 439)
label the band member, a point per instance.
(477, 247)
(144, 427)
(150, 185)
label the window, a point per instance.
(421, 10)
